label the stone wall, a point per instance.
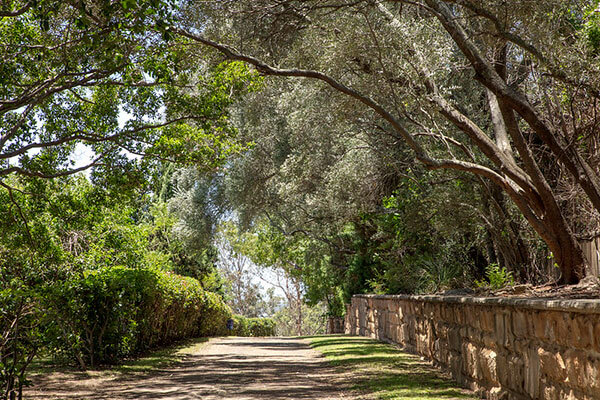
(335, 325)
(503, 348)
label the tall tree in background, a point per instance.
(244, 291)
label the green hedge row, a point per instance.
(243, 326)
(116, 312)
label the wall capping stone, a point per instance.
(574, 305)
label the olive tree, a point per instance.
(477, 87)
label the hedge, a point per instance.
(112, 313)
(243, 326)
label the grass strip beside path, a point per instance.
(381, 371)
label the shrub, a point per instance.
(497, 277)
(213, 320)
(173, 312)
(254, 327)
(112, 313)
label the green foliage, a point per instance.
(411, 246)
(95, 315)
(215, 313)
(70, 88)
(255, 327)
(497, 278)
(21, 334)
(313, 320)
(112, 313)
(587, 21)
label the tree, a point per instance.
(106, 76)
(244, 292)
(490, 106)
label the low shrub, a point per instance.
(497, 278)
(254, 327)
(116, 312)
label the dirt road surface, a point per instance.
(225, 368)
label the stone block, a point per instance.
(459, 316)
(471, 361)
(474, 318)
(442, 351)
(502, 369)
(417, 308)
(516, 374)
(403, 334)
(596, 327)
(552, 365)
(412, 326)
(497, 393)
(489, 341)
(570, 394)
(563, 327)
(552, 327)
(520, 346)
(440, 328)
(474, 335)
(549, 392)
(488, 320)
(576, 362)
(581, 335)
(454, 339)
(456, 364)
(532, 373)
(539, 324)
(423, 345)
(392, 306)
(447, 313)
(439, 312)
(401, 311)
(519, 324)
(428, 310)
(592, 376)
(487, 363)
(500, 328)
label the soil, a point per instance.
(225, 368)
(587, 289)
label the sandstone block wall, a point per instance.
(503, 348)
(335, 325)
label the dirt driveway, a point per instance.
(225, 368)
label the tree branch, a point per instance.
(16, 13)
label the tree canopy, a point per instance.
(504, 93)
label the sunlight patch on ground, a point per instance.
(381, 371)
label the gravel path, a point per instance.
(225, 368)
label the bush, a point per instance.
(498, 278)
(254, 327)
(213, 320)
(112, 313)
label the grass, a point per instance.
(149, 362)
(381, 371)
